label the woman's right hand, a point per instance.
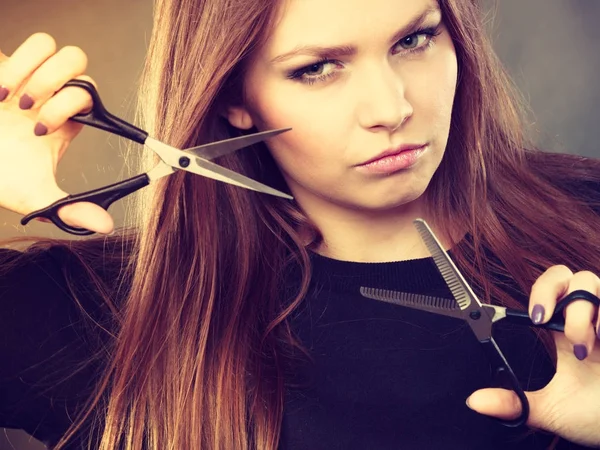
(35, 131)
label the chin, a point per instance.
(392, 203)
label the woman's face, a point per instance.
(354, 78)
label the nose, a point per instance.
(382, 102)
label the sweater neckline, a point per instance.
(348, 276)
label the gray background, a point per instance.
(549, 46)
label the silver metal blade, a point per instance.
(458, 286)
(478, 317)
(185, 161)
(444, 306)
(215, 149)
(211, 170)
(439, 305)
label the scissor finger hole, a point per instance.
(65, 104)
(581, 314)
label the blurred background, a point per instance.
(549, 46)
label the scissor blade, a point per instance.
(461, 291)
(211, 170)
(215, 149)
(444, 306)
(185, 161)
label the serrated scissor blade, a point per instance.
(458, 286)
(444, 306)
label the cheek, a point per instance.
(435, 89)
(315, 133)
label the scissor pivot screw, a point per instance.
(184, 161)
(475, 315)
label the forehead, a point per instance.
(340, 22)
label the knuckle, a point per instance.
(49, 118)
(558, 272)
(586, 275)
(75, 54)
(44, 40)
(573, 333)
(560, 269)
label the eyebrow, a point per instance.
(346, 50)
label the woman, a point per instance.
(231, 320)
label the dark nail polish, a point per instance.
(40, 129)
(3, 93)
(26, 102)
(580, 352)
(537, 315)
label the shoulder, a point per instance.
(51, 289)
(63, 268)
(56, 328)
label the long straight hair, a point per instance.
(201, 343)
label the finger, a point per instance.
(83, 214)
(580, 315)
(66, 64)
(87, 215)
(597, 322)
(549, 287)
(3, 91)
(495, 402)
(31, 54)
(505, 404)
(63, 105)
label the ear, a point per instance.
(239, 117)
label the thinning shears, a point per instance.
(195, 160)
(480, 317)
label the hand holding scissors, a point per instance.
(573, 396)
(195, 160)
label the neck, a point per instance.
(374, 236)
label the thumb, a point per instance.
(80, 215)
(505, 404)
(87, 215)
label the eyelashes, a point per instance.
(315, 72)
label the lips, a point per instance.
(393, 151)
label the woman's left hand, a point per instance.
(569, 405)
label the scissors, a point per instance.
(195, 160)
(480, 317)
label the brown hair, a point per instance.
(200, 353)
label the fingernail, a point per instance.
(3, 93)
(40, 129)
(598, 333)
(580, 352)
(467, 403)
(26, 102)
(537, 315)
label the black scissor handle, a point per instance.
(557, 321)
(99, 117)
(103, 197)
(505, 378)
(579, 294)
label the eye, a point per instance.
(315, 69)
(315, 72)
(413, 41)
(418, 41)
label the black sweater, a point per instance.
(382, 376)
